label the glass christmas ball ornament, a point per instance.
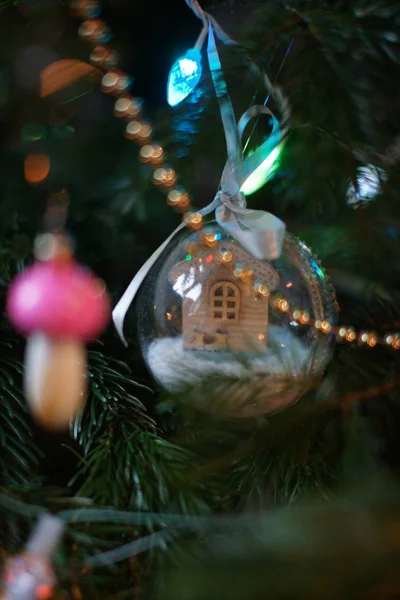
(209, 311)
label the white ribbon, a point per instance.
(259, 232)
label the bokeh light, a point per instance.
(64, 73)
(36, 168)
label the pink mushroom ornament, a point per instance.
(59, 305)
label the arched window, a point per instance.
(225, 301)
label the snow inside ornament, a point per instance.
(211, 309)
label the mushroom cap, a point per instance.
(62, 300)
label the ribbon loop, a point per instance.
(255, 160)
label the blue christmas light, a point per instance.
(184, 76)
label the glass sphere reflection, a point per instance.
(208, 309)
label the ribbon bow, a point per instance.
(259, 232)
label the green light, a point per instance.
(188, 257)
(33, 132)
(318, 269)
(261, 175)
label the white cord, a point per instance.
(205, 17)
(161, 538)
(201, 39)
(274, 91)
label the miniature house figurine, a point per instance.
(225, 294)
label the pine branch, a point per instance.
(344, 549)
(19, 454)
(126, 463)
(282, 457)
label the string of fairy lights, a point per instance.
(118, 83)
(296, 315)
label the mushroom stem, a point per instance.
(55, 379)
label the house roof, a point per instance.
(204, 262)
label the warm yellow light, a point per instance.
(159, 176)
(227, 257)
(304, 317)
(326, 326)
(174, 197)
(132, 129)
(388, 339)
(296, 314)
(283, 305)
(121, 106)
(238, 271)
(196, 218)
(169, 175)
(157, 154)
(195, 221)
(247, 275)
(146, 152)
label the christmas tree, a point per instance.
(163, 492)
